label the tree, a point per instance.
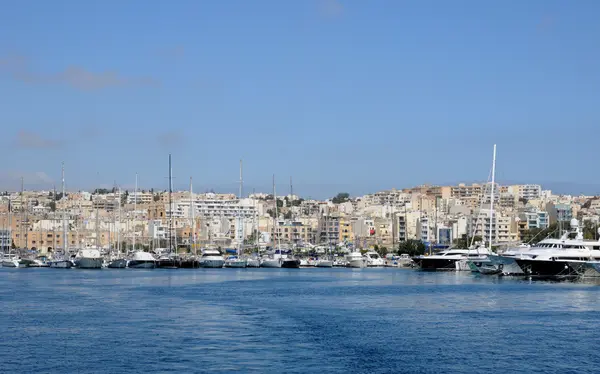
(341, 197)
(52, 206)
(288, 215)
(589, 231)
(297, 202)
(465, 241)
(271, 213)
(124, 197)
(279, 203)
(412, 247)
(156, 197)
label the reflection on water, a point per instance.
(296, 321)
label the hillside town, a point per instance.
(440, 216)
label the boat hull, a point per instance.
(212, 264)
(61, 264)
(548, 269)
(235, 264)
(270, 263)
(118, 264)
(189, 264)
(137, 264)
(357, 264)
(252, 263)
(324, 264)
(168, 263)
(290, 263)
(507, 265)
(89, 263)
(435, 264)
(10, 264)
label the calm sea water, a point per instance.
(293, 321)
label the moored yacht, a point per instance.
(142, 260)
(452, 259)
(560, 258)
(355, 260)
(271, 261)
(211, 258)
(235, 262)
(89, 258)
(505, 263)
(10, 261)
(373, 259)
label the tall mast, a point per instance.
(54, 221)
(135, 194)
(64, 216)
(170, 207)
(22, 213)
(492, 197)
(276, 214)
(119, 226)
(240, 222)
(193, 218)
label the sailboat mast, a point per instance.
(240, 217)
(492, 197)
(192, 218)
(64, 216)
(135, 197)
(22, 211)
(119, 226)
(276, 214)
(170, 207)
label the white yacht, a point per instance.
(211, 258)
(142, 260)
(452, 259)
(355, 260)
(560, 258)
(373, 259)
(89, 258)
(10, 261)
(252, 262)
(271, 261)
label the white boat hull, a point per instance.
(10, 263)
(89, 263)
(212, 263)
(252, 263)
(270, 263)
(324, 264)
(139, 264)
(235, 264)
(507, 265)
(358, 264)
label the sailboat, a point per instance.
(327, 261)
(120, 262)
(61, 260)
(90, 258)
(9, 260)
(254, 262)
(170, 260)
(273, 260)
(238, 261)
(191, 261)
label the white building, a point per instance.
(526, 191)
(140, 197)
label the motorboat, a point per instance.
(324, 263)
(235, 262)
(60, 261)
(10, 261)
(142, 260)
(271, 261)
(252, 262)
(373, 259)
(211, 258)
(452, 259)
(89, 258)
(563, 258)
(119, 263)
(355, 260)
(405, 261)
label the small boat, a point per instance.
(273, 261)
(374, 260)
(290, 263)
(211, 258)
(11, 261)
(89, 258)
(142, 260)
(324, 263)
(235, 262)
(119, 263)
(355, 260)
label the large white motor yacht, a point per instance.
(452, 259)
(142, 260)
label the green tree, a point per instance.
(589, 231)
(52, 206)
(288, 215)
(279, 203)
(156, 197)
(341, 197)
(124, 197)
(412, 247)
(465, 241)
(297, 202)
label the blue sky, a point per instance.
(351, 96)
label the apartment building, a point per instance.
(140, 197)
(526, 191)
(502, 228)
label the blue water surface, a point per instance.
(293, 321)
